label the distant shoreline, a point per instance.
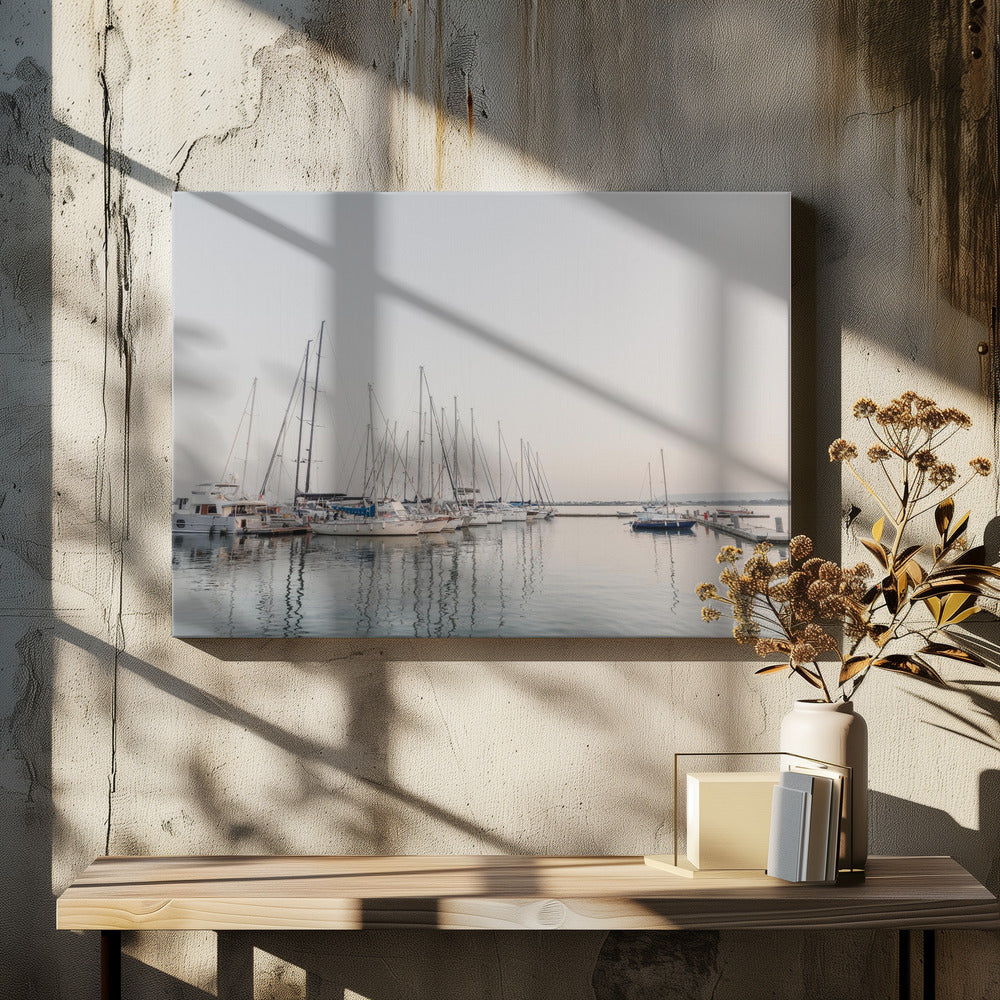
(725, 502)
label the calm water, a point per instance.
(567, 576)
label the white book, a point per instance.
(820, 788)
(789, 821)
(836, 780)
(807, 783)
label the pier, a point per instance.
(736, 530)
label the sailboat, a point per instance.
(660, 518)
(364, 516)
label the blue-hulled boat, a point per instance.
(660, 520)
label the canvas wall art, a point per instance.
(497, 415)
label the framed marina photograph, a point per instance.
(484, 414)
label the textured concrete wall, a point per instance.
(880, 121)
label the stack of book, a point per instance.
(805, 825)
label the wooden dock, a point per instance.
(749, 534)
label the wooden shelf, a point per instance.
(493, 891)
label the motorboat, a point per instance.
(202, 513)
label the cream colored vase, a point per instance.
(833, 732)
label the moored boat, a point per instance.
(651, 520)
(201, 513)
(381, 519)
(258, 517)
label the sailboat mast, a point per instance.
(406, 463)
(312, 422)
(543, 492)
(523, 484)
(439, 427)
(371, 438)
(455, 443)
(663, 467)
(302, 420)
(420, 437)
(499, 463)
(239, 427)
(444, 451)
(246, 449)
(472, 432)
(281, 434)
(550, 499)
(430, 444)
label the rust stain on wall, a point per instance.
(935, 65)
(440, 118)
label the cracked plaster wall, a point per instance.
(117, 738)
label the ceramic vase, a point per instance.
(835, 733)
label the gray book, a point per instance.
(819, 789)
(789, 822)
(824, 822)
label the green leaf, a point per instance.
(877, 529)
(943, 514)
(911, 665)
(877, 551)
(852, 667)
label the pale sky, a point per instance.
(598, 327)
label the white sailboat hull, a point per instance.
(367, 528)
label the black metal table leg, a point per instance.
(111, 965)
(904, 965)
(930, 979)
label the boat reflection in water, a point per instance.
(564, 576)
(430, 584)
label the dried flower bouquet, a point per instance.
(897, 619)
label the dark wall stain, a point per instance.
(29, 726)
(459, 58)
(26, 292)
(24, 154)
(935, 64)
(680, 965)
(119, 334)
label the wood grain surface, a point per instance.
(494, 891)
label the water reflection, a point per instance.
(562, 577)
